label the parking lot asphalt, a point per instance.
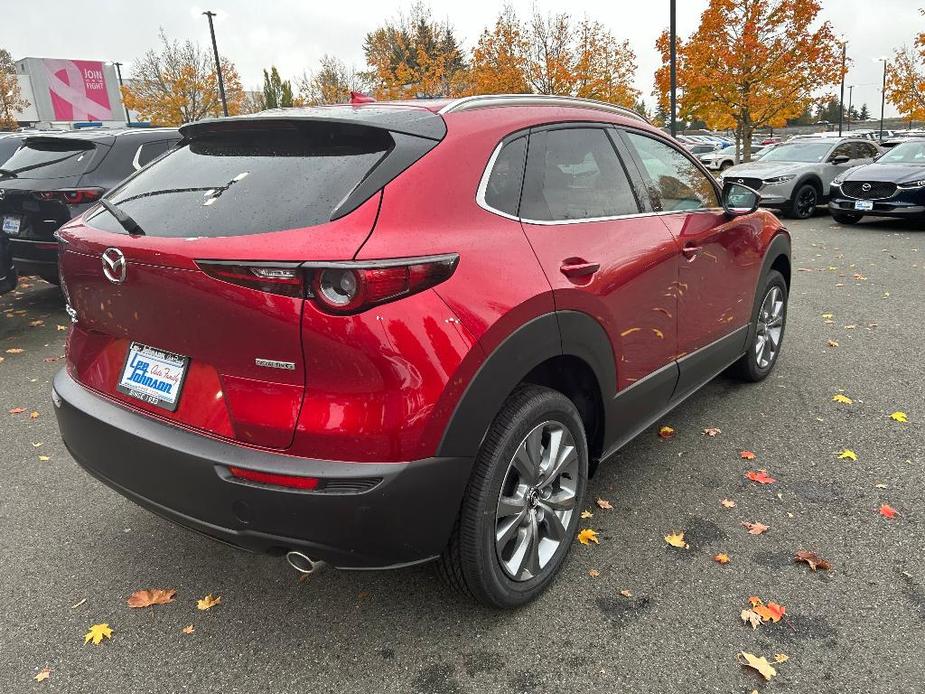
(73, 551)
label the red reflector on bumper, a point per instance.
(291, 481)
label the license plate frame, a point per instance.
(153, 375)
(863, 205)
(12, 224)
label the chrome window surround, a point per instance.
(469, 103)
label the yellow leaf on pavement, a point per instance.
(587, 536)
(843, 399)
(586, 514)
(676, 540)
(728, 503)
(781, 658)
(97, 633)
(847, 454)
(721, 558)
(594, 573)
(188, 629)
(666, 432)
(43, 675)
(760, 664)
(899, 417)
(208, 602)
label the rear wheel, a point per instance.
(521, 508)
(766, 334)
(725, 165)
(804, 201)
(843, 218)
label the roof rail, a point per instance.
(467, 103)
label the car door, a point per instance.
(607, 256)
(831, 169)
(717, 263)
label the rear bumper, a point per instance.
(371, 515)
(33, 257)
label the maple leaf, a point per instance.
(772, 612)
(666, 432)
(833, 343)
(747, 455)
(33, 415)
(712, 432)
(721, 558)
(781, 658)
(676, 540)
(17, 410)
(97, 633)
(188, 629)
(603, 503)
(43, 675)
(899, 417)
(728, 503)
(587, 536)
(843, 399)
(751, 617)
(151, 596)
(760, 664)
(208, 602)
(887, 511)
(814, 561)
(847, 454)
(760, 476)
(586, 514)
(755, 528)
(594, 573)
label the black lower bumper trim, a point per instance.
(182, 476)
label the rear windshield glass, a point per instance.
(249, 181)
(8, 145)
(52, 158)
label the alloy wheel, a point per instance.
(770, 327)
(806, 202)
(537, 501)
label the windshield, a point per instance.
(808, 152)
(50, 158)
(8, 145)
(905, 153)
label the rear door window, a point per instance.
(575, 174)
(51, 158)
(249, 181)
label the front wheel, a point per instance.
(766, 334)
(521, 509)
(843, 218)
(804, 202)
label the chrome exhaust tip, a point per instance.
(303, 563)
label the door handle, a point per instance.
(690, 250)
(579, 269)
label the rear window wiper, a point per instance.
(127, 222)
(7, 173)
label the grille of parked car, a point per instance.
(753, 183)
(868, 190)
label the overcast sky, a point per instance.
(294, 34)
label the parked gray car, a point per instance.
(794, 177)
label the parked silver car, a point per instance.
(794, 177)
(722, 159)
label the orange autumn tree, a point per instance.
(414, 56)
(905, 87)
(753, 63)
(499, 60)
(178, 84)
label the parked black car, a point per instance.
(53, 178)
(892, 186)
(8, 144)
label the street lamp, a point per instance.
(884, 60)
(850, 102)
(673, 53)
(218, 65)
(128, 118)
(841, 98)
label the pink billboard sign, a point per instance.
(77, 89)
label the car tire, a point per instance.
(843, 218)
(766, 331)
(511, 497)
(725, 165)
(804, 201)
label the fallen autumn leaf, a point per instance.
(97, 633)
(728, 503)
(721, 558)
(755, 528)
(603, 503)
(747, 455)
(43, 675)
(760, 476)
(814, 561)
(888, 511)
(208, 602)
(843, 399)
(847, 454)
(151, 596)
(666, 432)
(676, 540)
(760, 664)
(899, 417)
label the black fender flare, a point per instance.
(779, 246)
(542, 338)
(809, 178)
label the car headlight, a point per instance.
(909, 185)
(780, 179)
(836, 182)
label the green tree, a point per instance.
(331, 83)
(276, 92)
(865, 112)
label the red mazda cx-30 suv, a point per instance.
(381, 334)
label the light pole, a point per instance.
(850, 102)
(882, 94)
(218, 64)
(128, 118)
(673, 52)
(841, 99)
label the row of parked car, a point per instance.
(49, 177)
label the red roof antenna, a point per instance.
(360, 98)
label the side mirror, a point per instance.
(840, 159)
(739, 200)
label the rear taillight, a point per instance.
(291, 481)
(340, 287)
(71, 196)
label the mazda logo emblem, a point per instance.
(741, 180)
(865, 187)
(114, 265)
